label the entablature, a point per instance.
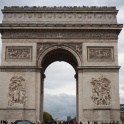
(78, 31)
(58, 26)
(59, 15)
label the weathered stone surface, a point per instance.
(85, 37)
(60, 14)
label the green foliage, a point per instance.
(73, 119)
(122, 119)
(47, 117)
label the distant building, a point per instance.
(122, 110)
(68, 118)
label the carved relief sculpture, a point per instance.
(60, 34)
(100, 53)
(18, 52)
(17, 91)
(75, 46)
(101, 91)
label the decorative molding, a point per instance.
(17, 91)
(62, 25)
(83, 17)
(69, 14)
(101, 89)
(58, 34)
(20, 69)
(18, 53)
(14, 108)
(75, 46)
(101, 70)
(100, 53)
(24, 8)
(111, 69)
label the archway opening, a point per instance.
(60, 91)
(60, 56)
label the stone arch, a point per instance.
(59, 53)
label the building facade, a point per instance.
(85, 37)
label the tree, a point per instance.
(47, 117)
(73, 119)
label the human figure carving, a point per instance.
(101, 91)
(17, 92)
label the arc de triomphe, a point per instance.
(85, 37)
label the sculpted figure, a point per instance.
(101, 91)
(17, 92)
(16, 95)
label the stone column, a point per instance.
(38, 95)
(80, 97)
(42, 95)
(76, 77)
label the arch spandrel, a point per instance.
(67, 52)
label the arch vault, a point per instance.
(85, 37)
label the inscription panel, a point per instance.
(18, 52)
(100, 53)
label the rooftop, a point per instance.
(78, 8)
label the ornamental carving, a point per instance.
(61, 34)
(58, 8)
(17, 91)
(101, 91)
(18, 52)
(76, 46)
(55, 14)
(100, 53)
(63, 16)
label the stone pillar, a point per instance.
(42, 95)
(76, 77)
(80, 97)
(38, 95)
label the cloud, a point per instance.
(60, 106)
(121, 43)
(59, 78)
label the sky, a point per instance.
(60, 85)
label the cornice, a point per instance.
(98, 68)
(58, 26)
(60, 8)
(14, 108)
(20, 69)
(78, 31)
(61, 34)
(52, 27)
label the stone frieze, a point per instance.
(63, 17)
(100, 53)
(61, 34)
(18, 52)
(69, 14)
